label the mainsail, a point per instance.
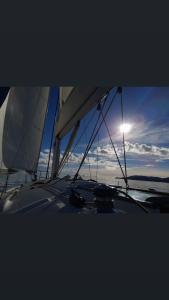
(64, 94)
(75, 103)
(22, 118)
(3, 168)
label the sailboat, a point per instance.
(22, 120)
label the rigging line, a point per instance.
(88, 157)
(134, 201)
(93, 136)
(122, 114)
(113, 146)
(104, 99)
(83, 132)
(86, 151)
(92, 139)
(89, 142)
(97, 159)
(69, 145)
(89, 168)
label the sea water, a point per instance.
(146, 185)
(14, 180)
(23, 178)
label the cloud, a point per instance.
(43, 160)
(132, 149)
(106, 158)
(141, 159)
(104, 161)
(145, 149)
(149, 166)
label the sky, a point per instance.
(146, 110)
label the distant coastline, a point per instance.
(146, 178)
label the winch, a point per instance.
(104, 198)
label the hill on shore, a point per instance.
(146, 178)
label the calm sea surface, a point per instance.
(20, 178)
(159, 186)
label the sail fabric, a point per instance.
(2, 119)
(64, 94)
(23, 116)
(76, 102)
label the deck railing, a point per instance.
(7, 181)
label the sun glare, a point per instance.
(125, 128)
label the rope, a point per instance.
(93, 136)
(78, 141)
(114, 147)
(135, 202)
(97, 160)
(103, 99)
(89, 168)
(122, 114)
(88, 159)
(69, 145)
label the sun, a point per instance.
(125, 128)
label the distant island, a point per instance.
(146, 178)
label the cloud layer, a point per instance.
(142, 156)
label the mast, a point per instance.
(56, 157)
(56, 145)
(52, 136)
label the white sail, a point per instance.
(23, 116)
(64, 94)
(76, 103)
(2, 119)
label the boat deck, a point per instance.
(54, 197)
